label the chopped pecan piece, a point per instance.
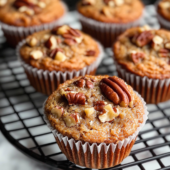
(3, 2)
(116, 90)
(90, 53)
(99, 106)
(72, 119)
(109, 115)
(89, 112)
(32, 42)
(53, 52)
(113, 3)
(142, 38)
(36, 54)
(58, 111)
(167, 45)
(76, 98)
(136, 56)
(164, 53)
(145, 28)
(51, 43)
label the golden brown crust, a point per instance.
(154, 61)
(75, 55)
(164, 9)
(131, 10)
(91, 129)
(46, 15)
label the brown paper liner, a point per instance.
(152, 90)
(14, 34)
(96, 160)
(46, 82)
(106, 33)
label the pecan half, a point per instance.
(69, 42)
(84, 82)
(136, 56)
(76, 98)
(90, 53)
(89, 84)
(80, 83)
(99, 106)
(74, 32)
(164, 53)
(53, 52)
(116, 90)
(143, 38)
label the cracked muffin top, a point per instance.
(95, 109)
(164, 9)
(109, 10)
(61, 49)
(30, 12)
(144, 51)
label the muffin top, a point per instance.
(145, 52)
(30, 12)
(95, 109)
(164, 9)
(61, 49)
(111, 11)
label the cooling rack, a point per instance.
(21, 120)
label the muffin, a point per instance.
(142, 56)
(163, 13)
(95, 119)
(106, 19)
(20, 18)
(50, 57)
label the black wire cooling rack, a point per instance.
(21, 120)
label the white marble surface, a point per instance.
(12, 159)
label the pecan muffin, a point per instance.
(142, 57)
(95, 111)
(29, 16)
(64, 52)
(103, 19)
(163, 13)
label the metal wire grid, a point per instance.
(22, 124)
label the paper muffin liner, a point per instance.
(46, 82)
(162, 21)
(106, 33)
(152, 90)
(96, 155)
(15, 34)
